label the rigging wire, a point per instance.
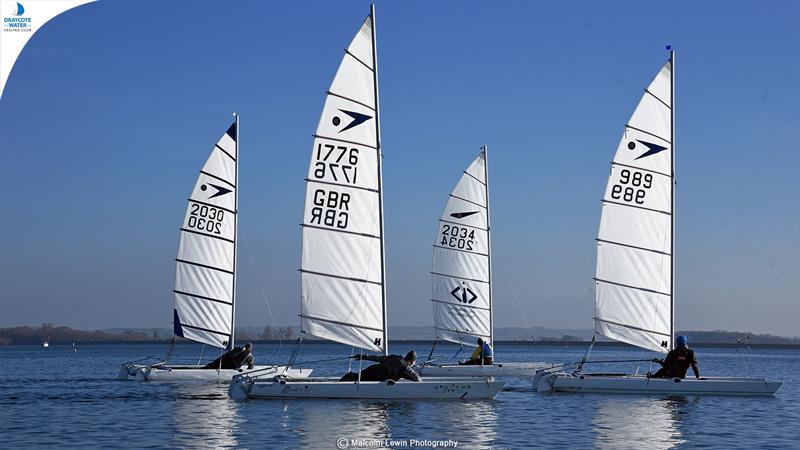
(519, 305)
(263, 291)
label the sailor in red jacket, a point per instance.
(677, 362)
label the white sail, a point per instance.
(206, 262)
(633, 302)
(342, 271)
(462, 300)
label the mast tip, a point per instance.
(669, 47)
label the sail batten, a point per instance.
(342, 274)
(633, 279)
(461, 273)
(205, 277)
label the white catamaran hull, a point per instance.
(641, 384)
(196, 373)
(494, 370)
(243, 388)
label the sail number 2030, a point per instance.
(632, 186)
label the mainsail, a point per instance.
(462, 293)
(342, 268)
(633, 302)
(206, 264)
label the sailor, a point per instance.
(677, 362)
(391, 367)
(483, 354)
(233, 359)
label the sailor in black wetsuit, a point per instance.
(392, 367)
(234, 359)
(677, 362)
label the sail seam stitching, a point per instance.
(225, 151)
(630, 326)
(460, 305)
(637, 207)
(309, 180)
(322, 274)
(213, 206)
(462, 225)
(461, 278)
(631, 287)
(468, 201)
(656, 97)
(345, 141)
(350, 100)
(340, 231)
(647, 132)
(336, 322)
(203, 265)
(202, 297)
(633, 246)
(218, 178)
(208, 235)
(358, 59)
(459, 250)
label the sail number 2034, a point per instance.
(632, 186)
(457, 237)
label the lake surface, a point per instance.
(58, 398)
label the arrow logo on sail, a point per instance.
(464, 298)
(220, 190)
(358, 119)
(652, 149)
(461, 215)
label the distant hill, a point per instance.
(31, 335)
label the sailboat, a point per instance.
(46, 342)
(462, 276)
(343, 276)
(205, 276)
(634, 293)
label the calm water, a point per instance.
(60, 398)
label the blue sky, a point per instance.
(113, 107)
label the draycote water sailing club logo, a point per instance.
(17, 22)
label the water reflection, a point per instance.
(374, 423)
(639, 422)
(204, 417)
(325, 421)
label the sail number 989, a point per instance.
(457, 237)
(632, 186)
(338, 162)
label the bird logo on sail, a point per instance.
(358, 119)
(652, 149)
(464, 294)
(461, 215)
(220, 190)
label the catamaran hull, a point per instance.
(195, 373)
(494, 370)
(243, 388)
(640, 384)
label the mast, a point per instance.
(380, 174)
(488, 240)
(672, 198)
(235, 232)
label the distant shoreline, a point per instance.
(428, 343)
